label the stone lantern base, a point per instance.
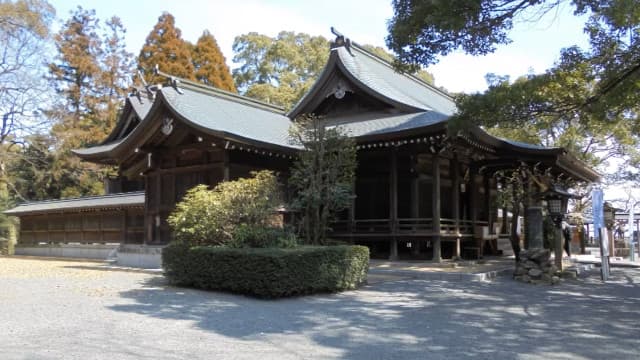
(535, 267)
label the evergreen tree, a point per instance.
(165, 48)
(209, 63)
(89, 76)
(278, 70)
(76, 69)
(74, 75)
(281, 70)
(118, 68)
(31, 170)
(382, 53)
(322, 176)
(587, 102)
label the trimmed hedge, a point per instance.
(267, 272)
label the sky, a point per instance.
(535, 47)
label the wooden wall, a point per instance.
(99, 226)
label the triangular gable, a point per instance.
(136, 108)
(354, 75)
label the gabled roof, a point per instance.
(228, 115)
(112, 201)
(209, 110)
(136, 108)
(379, 79)
(392, 105)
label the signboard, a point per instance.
(598, 215)
(604, 253)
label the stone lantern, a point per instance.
(557, 201)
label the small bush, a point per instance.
(262, 237)
(209, 217)
(267, 272)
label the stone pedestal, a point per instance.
(535, 267)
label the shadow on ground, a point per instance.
(413, 319)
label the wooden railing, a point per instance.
(404, 226)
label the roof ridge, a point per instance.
(114, 195)
(206, 89)
(390, 65)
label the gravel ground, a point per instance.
(70, 310)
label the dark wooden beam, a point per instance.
(225, 166)
(437, 251)
(455, 199)
(393, 201)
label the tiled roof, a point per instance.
(133, 199)
(526, 145)
(141, 105)
(380, 76)
(368, 124)
(216, 112)
(98, 148)
(231, 114)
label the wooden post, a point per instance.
(455, 201)
(473, 190)
(124, 226)
(148, 218)
(352, 210)
(393, 202)
(47, 222)
(415, 210)
(488, 210)
(504, 229)
(557, 240)
(225, 164)
(486, 201)
(437, 254)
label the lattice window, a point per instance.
(56, 222)
(112, 221)
(74, 222)
(40, 223)
(91, 222)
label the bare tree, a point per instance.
(24, 30)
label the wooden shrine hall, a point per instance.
(415, 183)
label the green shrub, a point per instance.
(209, 217)
(267, 272)
(261, 237)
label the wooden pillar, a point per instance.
(557, 244)
(124, 226)
(415, 211)
(504, 229)
(393, 202)
(101, 227)
(455, 201)
(148, 217)
(437, 251)
(48, 228)
(225, 165)
(472, 189)
(352, 214)
(486, 201)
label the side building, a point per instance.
(417, 186)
